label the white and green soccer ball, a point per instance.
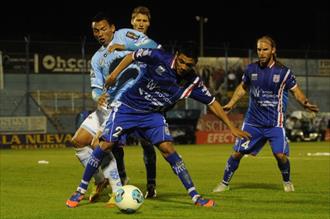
(129, 199)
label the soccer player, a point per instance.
(102, 63)
(164, 80)
(140, 21)
(268, 82)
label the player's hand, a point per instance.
(114, 47)
(240, 134)
(227, 108)
(311, 107)
(96, 139)
(103, 100)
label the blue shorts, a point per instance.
(260, 135)
(123, 120)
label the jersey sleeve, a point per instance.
(198, 91)
(133, 39)
(246, 77)
(149, 56)
(96, 75)
(291, 81)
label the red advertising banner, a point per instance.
(211, 130)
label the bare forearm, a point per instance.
(120, 67)
(216, 108)
(302, 99)
(238, 94)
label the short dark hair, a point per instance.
(102, 16)
(190, 49)
(141, 10)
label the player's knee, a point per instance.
(237, 155)
(76, 143)
(166, 148)
(280, 156)
(106, 146)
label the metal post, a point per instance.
(201, 20)
(27, 72)
(1, 73)
(307, 73)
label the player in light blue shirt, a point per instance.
(164, 80)
(102, 63)
(268, 83)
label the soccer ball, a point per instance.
(129, 199)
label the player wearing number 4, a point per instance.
(268, 83)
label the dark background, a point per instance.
(235, 23)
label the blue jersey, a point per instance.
(268, 94)
(158, 87)
(104, 62)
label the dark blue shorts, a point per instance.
(260, 136)
(123, 120)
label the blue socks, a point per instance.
(93, 164)
(232, 165)
(180, 170)
(285, 169)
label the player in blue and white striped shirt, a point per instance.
(164, 80)
(268, 83)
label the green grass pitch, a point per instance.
(35, 191)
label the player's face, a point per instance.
(103, 32)
(183, 64)
(265, 52)
(141, 23)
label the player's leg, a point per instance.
(280, 148)
(231, 166)
(149, 157)
(156, 130)
(241, 147)
(92, 166)
(82, 140)
(118, 153)
(179, 168)
(102, 149)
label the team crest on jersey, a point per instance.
(254, 76)
(132, 35)
(276, 78)
(160, 70)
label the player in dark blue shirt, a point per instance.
(268, 83)
(163, 81)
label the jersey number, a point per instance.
(245, 145)
(118, 131)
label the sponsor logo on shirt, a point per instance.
(132, 35)
(276, 78)
(160, 70)
(254, 76)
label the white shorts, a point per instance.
(93, 123)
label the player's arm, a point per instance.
(239, 92)
(216, 108)
(96, 75)
(199, 92)
(301, 98)
(111, 79)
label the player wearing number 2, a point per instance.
(268, 83)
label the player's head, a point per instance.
(186, 58)
(266, 49)
(141, 19)
(103, 28)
